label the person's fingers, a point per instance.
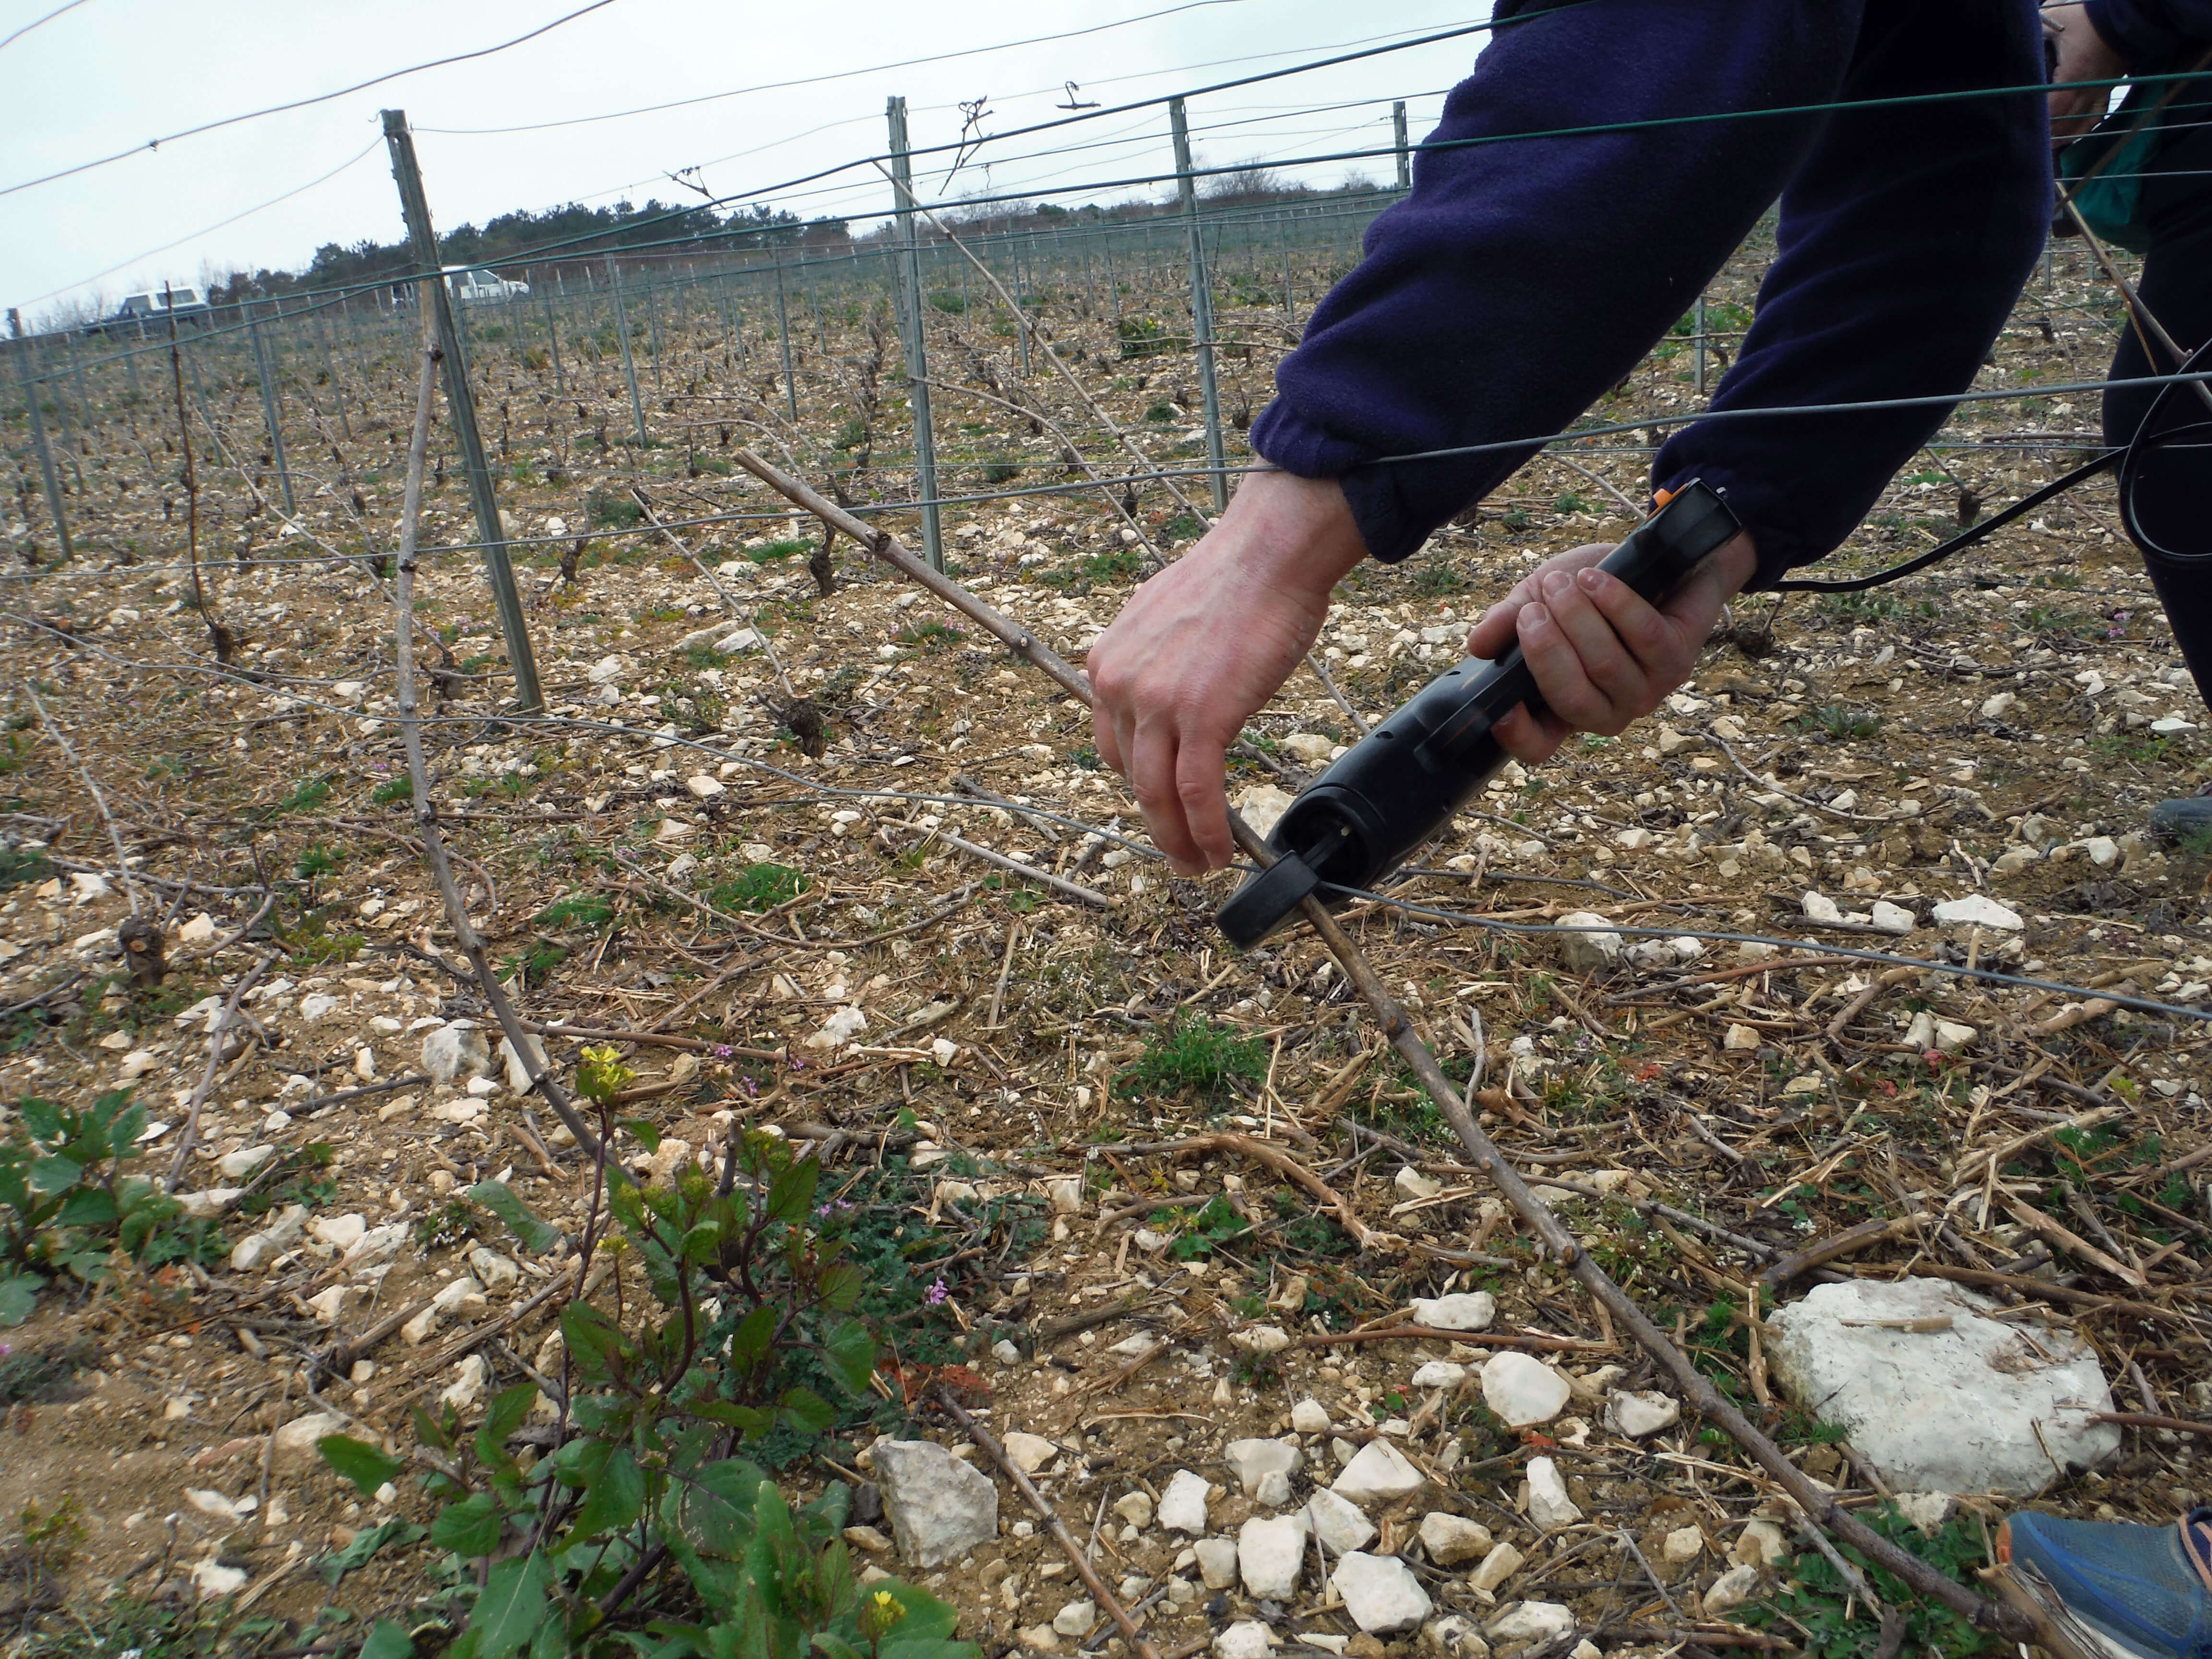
(1199, 772)
(1493, 634)
(1555, 660)
(1654, 638)
(1606, 662)
(1107, 741)
(1153, 781)
(1528, 739)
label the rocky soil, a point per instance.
(1119, 1171)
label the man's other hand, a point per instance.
(1601, 656)
(1201, 646)
(2084, 55)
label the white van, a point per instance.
(476, 287)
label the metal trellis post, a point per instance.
(45, 453)
(907, 269)
(553, 338)
(1201, 306)
(267, 379)
(461, 409)
(1701, 345)
(629, 363)
(1405, 155)
(783, 329)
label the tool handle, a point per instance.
(1653, 560)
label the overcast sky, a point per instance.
(106, 75)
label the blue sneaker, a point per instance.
(2110, 1590)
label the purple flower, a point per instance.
(937, 1294)
(723, 1051)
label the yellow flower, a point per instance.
(602, 1075)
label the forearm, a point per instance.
(1525, 276)
(1902, 246)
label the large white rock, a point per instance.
(295, 1442)
(1182, 1505)
(1978, 910)
(1450, 1540)
(1252, 1459)
(1522, 1390)
(1217, 1561)
(1636, 1414)
(1076, 1619)
(279, 1236)
(940, 1508)
(1340, 1525)
(1380, 1593)
(1587, 940)
(1248, 1639)
(1530, 1621)
(1967, 1409)
(1309, 1416)
(1500, 1565)
(1030, 1452)
(1454, 1636)
(1440, 1374)
(516, 1074)
(1261, 805)
(1377, 1473)
(1269, 1552)
(455, 1051)
(1463, 1310)
(1549, 1506)
(1731, 1590)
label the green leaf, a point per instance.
(365, 1545)
(927, 1647)
(808, 1411)
(470, 1527)
(594, 1341)
(749, 1342)
(714, 1509)
(850, 1352)
(840, 1284)
(388, 1640)
(611, 1502)
(791, 1196)
(55, 1174)
(538, 1236)
(87, 1207)
(926, 1618)
(698, 1244)
(551, 1641)
(19, 1294)
(511, 1606)
(647, 1133)
(508, 1409)
(834, 1647)
(358, 1462)
(42, 1118)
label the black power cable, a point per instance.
(2130, 458)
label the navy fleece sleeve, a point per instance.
(2145, 32)
(1902, 244)
(1525, 275)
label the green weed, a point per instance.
(1193, 1053)
(759, 887)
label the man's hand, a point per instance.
(2082, 56)
(1201, 646)
(1601, 656)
